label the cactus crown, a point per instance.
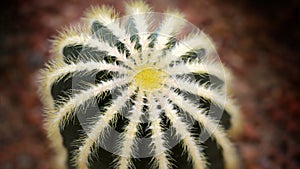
(159, 92)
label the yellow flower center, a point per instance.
(150, 78)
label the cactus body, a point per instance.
(131, 93)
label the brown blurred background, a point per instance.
(257, 39)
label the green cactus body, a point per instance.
(130, 93)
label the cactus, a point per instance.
(131, 92)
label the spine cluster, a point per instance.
(132, 92)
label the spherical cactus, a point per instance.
(141, 91)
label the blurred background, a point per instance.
(257, 39)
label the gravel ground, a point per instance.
(258, 40)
